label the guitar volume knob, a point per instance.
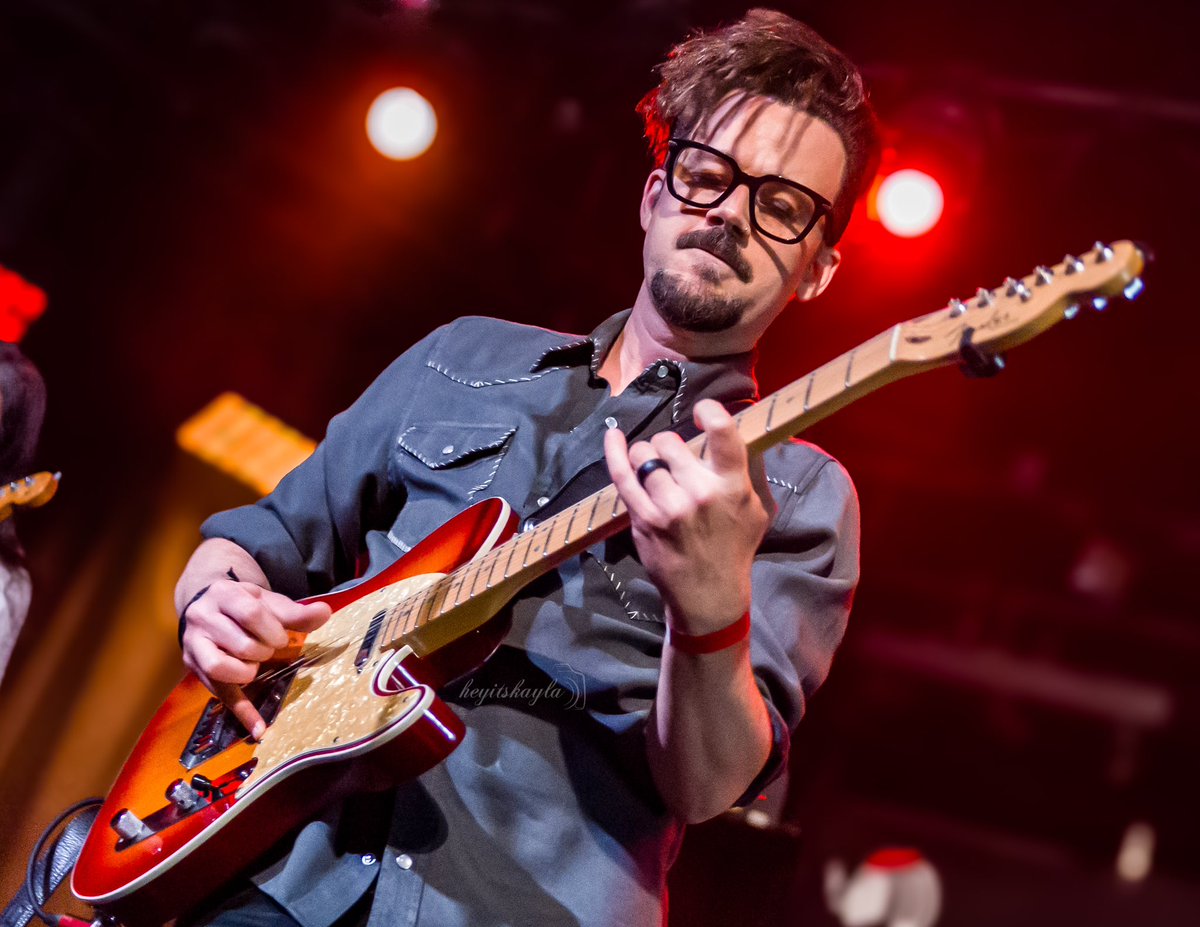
(182, 795)
(129, 826)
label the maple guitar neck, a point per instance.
(969, 333)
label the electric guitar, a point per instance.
(353, 705)
(30, 491)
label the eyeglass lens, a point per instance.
(702, 177)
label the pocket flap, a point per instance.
(444, 444)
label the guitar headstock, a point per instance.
(1021, 308)
(30, 491)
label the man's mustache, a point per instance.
(720, 243)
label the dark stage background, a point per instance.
(192, 187)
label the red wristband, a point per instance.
(710, 643)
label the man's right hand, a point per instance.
(233, 628)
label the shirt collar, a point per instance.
(728, 379)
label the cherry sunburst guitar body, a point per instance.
(340, 724)
(353, 706)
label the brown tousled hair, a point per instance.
(768, 54)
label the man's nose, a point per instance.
(733, 211)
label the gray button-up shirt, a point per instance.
(547, 813)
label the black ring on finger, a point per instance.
(654, 463)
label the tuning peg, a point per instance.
(1103, 252)
(1071, 310)
(1134, 289)
(1099, 303)
(1013, 287)
(1043, 275)
(984, 298)
(1074, 265)
(957, 307)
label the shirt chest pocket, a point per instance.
(444, 467)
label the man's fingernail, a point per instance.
(259, 729)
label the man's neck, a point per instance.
(637, 346)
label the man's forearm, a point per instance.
(709, 733)
(213, 560)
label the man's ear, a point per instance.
(819, 273)
(650, 194)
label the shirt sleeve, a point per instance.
(803, 583)
(309, 532)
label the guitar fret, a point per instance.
(454, 583)
(468, 572)
(549, 535)
(528, 545)
(426, 606)
(771, 410)
(492, 556)
(385, 627)
(574, 510)
(808, 390)
(395, 614)
(399, 620)
(595, 502)
(489, 561)
(850, 367)
(410, 612)
(474, 573)
(513, 544)
(441, 593)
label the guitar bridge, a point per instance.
(218, 728)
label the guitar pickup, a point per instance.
(368, 643)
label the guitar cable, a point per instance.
(55, 920)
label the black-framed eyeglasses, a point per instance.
(781, 209)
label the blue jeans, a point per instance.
(252, 908)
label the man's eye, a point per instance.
(708, 180)
(781, 209)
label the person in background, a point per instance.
(22, 409)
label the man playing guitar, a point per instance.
(653, 680)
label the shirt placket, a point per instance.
(644, 404)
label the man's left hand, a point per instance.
(697, 525)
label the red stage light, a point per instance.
(21, 303)
(908, 203)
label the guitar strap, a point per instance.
(594, 476)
